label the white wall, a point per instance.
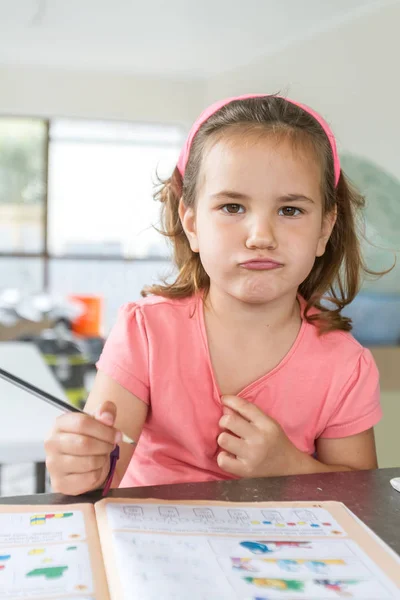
(349, 74)
(52, 92)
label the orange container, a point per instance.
(90, 322)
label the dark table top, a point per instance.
(367, 493)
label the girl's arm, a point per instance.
(353, 452)
(131, 413)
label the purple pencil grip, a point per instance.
(114, 456)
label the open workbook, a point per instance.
(123, 549)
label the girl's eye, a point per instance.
(290, 211)
(232, 209)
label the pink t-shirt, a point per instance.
(326, 386)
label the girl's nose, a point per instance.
(261, 236)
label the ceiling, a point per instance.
(171, 38)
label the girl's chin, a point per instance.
(256, 295)
(252, 291)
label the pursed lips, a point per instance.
(261, 264)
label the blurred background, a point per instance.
(96, 98)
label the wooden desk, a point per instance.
(367, 493)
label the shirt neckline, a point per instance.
(258, 382)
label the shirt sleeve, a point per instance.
(359, 406)
(125, 356)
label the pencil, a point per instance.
(42, 395)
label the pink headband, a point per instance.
(184, 155)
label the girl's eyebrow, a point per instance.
(295, 197)
(232, 195)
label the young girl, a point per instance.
(243, 366)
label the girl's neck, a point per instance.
(242, 316)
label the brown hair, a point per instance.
(336, 276)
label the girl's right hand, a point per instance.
(78, 450)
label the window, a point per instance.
(23, 273)
(76, 208)
(23, 166)
(101, 179)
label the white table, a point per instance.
(25, 421)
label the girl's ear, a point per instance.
(187, 217)
(328, 223)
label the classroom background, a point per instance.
(95, 100)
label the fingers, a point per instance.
(75, 484)
(230, 443)
(86, 425)
(247, 410)
(106, 413)
(230, 464)
(69, 465)
(228, 411)
(77, 445)
(237, 425)
(78, 450)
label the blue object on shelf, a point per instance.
(376, 318)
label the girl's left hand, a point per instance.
(253, 445)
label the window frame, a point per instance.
(45, 254)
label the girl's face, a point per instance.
(260, 200)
